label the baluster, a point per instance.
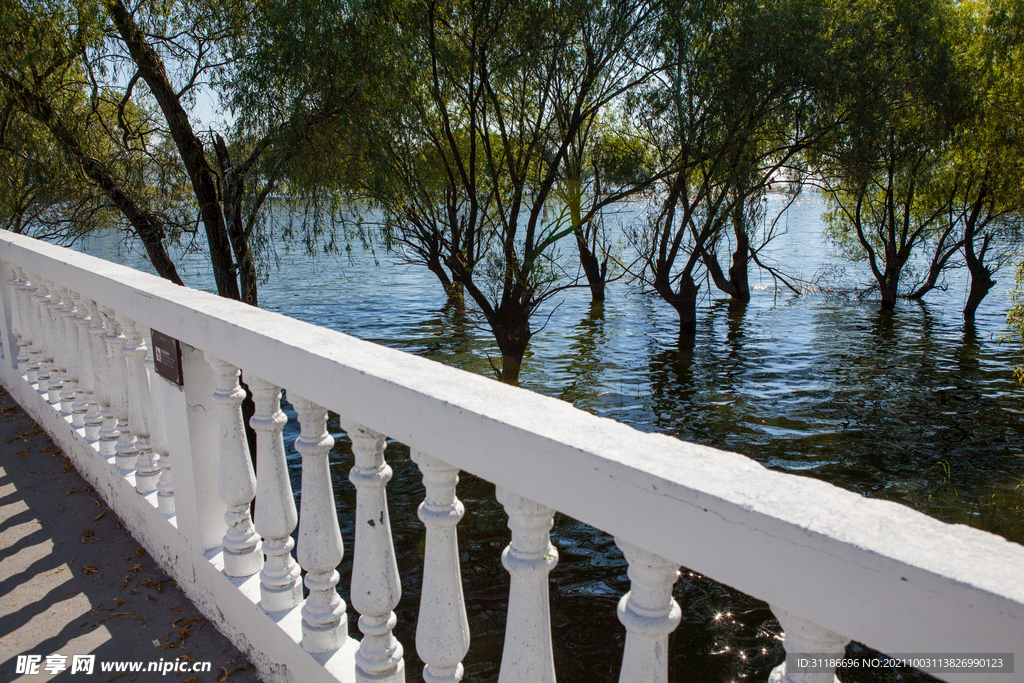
(84, 363)
(804, 637)
(42, 314)
(124, 447)
(442, 632)
(42, 372)
(236, 483)
(376, 588)
(67, 320)
(276, 517)
(649, 614)
(99, 410)
(25, 363)
(38, 367)
(58, 373)
(324, 624)
(18, 326)
(24, 296)
(527, 656)
(158, 436)
(147, 470)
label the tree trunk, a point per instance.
(233, 191)
(684, 300)
(739, 274)
(592, 267)
(511, 327)
(737, 285)
(981, 275)
(190, 147)
(455, 296)
(888, 287)
(595, 271)
(981, 282)
(455, 293)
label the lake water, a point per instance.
(910, 407)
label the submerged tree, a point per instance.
(985, 176)
(468, 161)
(605, 162)
(933, 169)
(882, 169)
(784, 68)
(732, 106)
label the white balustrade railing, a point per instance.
(835, 567)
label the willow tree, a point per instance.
(189, 36)
(43, 194)
(73, 129)
(606, 162)
(468, 161)
(881, 167)
(984, 179)
(137, 71)
(729, 107)
(785, 68)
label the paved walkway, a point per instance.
(74, 582)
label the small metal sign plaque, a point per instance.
(167, 357)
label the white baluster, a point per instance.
(158, 435)
(276, 516)
(376, 588)
(37, 368)
(804, 637)
(70, 349)
(649, 614)
(14, 282)
(124, 449)
(147, 469)
(56, 328)
(236, 482)
(442, 632)
(324, 624)
(42, 371)
(84, 363)
(24, 295)
(99, 410)
(45, 334)
(527, 656)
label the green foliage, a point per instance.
(622, 159)
(1015, 317)
(54, 61)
